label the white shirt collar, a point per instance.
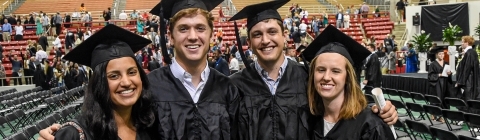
(180, 73)
(467, 48)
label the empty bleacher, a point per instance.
(53, 6)
(140, 4)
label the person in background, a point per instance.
(411, 60)
(3, 75)
(373, 74)
(346, 21)
(392, 59)
(221, 64)
(439, 83)
(234, 66)
(19, 32)
(82, 8)
(140, 25)
(69, 40)
(107, 15)
(59, 74)
(67, 20)
(468, 74)
(7, 30)
(16, 67)
(153, 64)
(383, 57)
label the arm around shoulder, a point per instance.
(67, 133)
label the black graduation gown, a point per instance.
(283, 116)
(372, 73)
(468, 73)
(211, 118)
(71, 133)
(365, 126)
(439, 86)
(39, 77)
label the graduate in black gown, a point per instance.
(274, 103)
(373, 75)
(117, 103)
(334, 95)
(439, 84)
(468, 72)
(194, 101)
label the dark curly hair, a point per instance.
(98, 106)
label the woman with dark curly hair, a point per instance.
(117, 102)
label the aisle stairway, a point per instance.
(398, 32)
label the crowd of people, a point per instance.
(207, 103)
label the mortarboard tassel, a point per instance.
(163, 43)
(240, 46)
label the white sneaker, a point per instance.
(460, 123)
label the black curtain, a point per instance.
(435, 18)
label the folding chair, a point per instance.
(418, 127)
(431, 99)
(437, 111)
(472, 121)
(421, 118)
(417, 97)
(442, 134)
(401, 105)
(31, 131)
(460, 137)
(401, 130)
(18, 136)
(3, 121)
(11, 117)
(455, 102)
(43, 124)
(450, 116)
(405, 96)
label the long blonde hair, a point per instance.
(353, 103)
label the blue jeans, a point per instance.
(60, 84)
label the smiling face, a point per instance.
(124, 81)
(440, 55)
(191, 35)
(267, 40)
(330, 75)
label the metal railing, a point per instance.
(404, 37)
(28, 81)
(7, 5)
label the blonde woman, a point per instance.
(335, 96)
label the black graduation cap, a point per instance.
(171, 7)
(437, 49)
(333, 40)
(259, 12)
(108, 43)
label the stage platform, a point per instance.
(412, 82)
